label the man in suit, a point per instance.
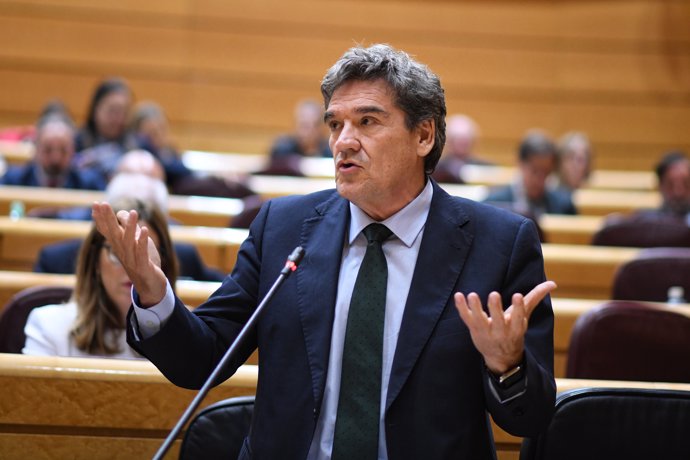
(61, 257)
(444, 361)
(531, 194)
(52, 163)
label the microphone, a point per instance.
(291, 264)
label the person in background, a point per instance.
(462, 134)
(530, 193)
(309, 138)
(92, 323)
(52, 163)
(149, 123)
(140, 161)
(575, 159)
(61, 256)
(104, 137)
(408, 368)
(673, 177)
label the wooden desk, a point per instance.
(191, 292)
(228, 164)
(584, 271)
(604, 202)
(21, 240)
(580, 271)
(588, 201)
(86, 408)
(566, 229)
(189, 210)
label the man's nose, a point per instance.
(347, 139)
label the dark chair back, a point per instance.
(219, 430)
(639, 231)
(649, 275)
(625, 340)
(211, 186)
(252, 206)
(615, 423)
(17, 311)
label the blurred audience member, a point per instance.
(61, 257)
(150, 125)
(52, 163)
(530, 194)
(104, 137)
(309, 138)
(461, 139)
(141, 161)
(673, 175)
(575, 161)
(92, 323)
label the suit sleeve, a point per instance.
(530, 411)
(189, 345)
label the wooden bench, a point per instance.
(191, 292)
(20, 240)
(188, 210)
(580, 271)
(229, 164)
(88, 408)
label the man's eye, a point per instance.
(333, 125)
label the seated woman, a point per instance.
(92, 323)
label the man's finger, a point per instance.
(536, 295)
(478, 313)
(518, 314)
(495, 306)
(462, 308)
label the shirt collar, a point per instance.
(406, 224)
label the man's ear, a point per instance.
(426, 137)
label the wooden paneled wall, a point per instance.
(229, 73)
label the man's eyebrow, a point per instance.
(371, 109)
(360, 110)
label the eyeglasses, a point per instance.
(111, 255)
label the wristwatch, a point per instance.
(508, 378)
(511, 376)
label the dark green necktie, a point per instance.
(357, 422)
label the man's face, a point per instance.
(675, 187)
(54, 148)
(535, 171)
(379, 163)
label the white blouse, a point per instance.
(48, 334)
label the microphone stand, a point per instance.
(290, 266)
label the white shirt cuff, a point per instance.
(151, 320)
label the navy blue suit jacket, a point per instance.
(76, 179)
(439, 392)
(61, 257)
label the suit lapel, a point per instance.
(317, 283)
(436, 272)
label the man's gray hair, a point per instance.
(417, 89)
